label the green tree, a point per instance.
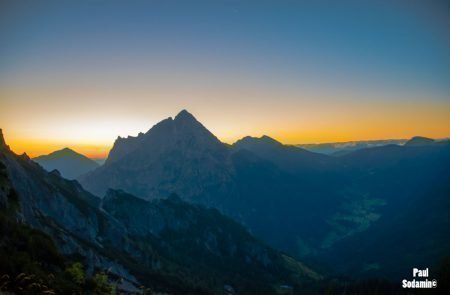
(76, 273)
(101, 285)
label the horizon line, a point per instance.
(102, 155)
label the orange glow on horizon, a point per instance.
(91, 128)
(79, 76)
(34, 149)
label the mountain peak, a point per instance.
(179, 148)
(264, 140)
(185, 125)
(68, 162)
(2, 139)
(67, 150)
(184, 115)
(268, 139)
(3, 144)
(419, 140)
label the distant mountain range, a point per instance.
(342, 148)
(68, 162)
(167, 244)
(305, 203)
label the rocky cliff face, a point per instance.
(2, 141)
(175, 156)
(62, 209)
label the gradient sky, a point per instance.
(80, 73)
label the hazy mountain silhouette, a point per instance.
(68, 162)
(419, 140)
(343, 148)
(287, 157)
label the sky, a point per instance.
(81, 73)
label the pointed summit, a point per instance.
(184, 127)
(65, 150)
(180, 149)
(69, 163)
(3, 144)
(185, 115)
(186, 122)
(2, 139)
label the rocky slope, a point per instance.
(175, 156)
(165, 244)
(62, 209)
(202, 243)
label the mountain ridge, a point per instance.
(98, 230)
